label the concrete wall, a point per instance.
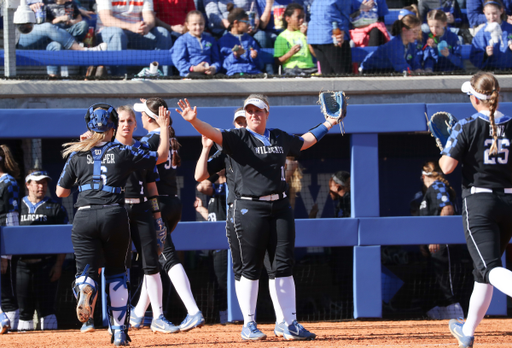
(19, 94)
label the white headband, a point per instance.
(238, 114)
(256, 102)
(337, 180)
(143, 107)
(426, 173)
(467, 88)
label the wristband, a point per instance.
(319, 131)
(155, 208)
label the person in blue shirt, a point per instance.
(476, 16)
(401, 53)
(366, 13)
(194, 53)
(441, 50)
(238, 49)
(492, 45)
(333, 52)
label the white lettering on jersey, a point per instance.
(423, 205)
(107, 158)
(500, 129)
(263, 150)
(34, 217)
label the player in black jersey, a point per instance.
(142, 228)
(439, 199)
(101, 232)
(9, 216)
(263, 217)
(170, 206)
(481, 143)
(37, 275)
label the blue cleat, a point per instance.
(251, 332)
(120, 337)
(297, 332)
(456, 330)
(5, 323)
(135, 321)
(279, 329)
(161, 324)
(192, 321)
(88, 326)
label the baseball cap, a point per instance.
(256, 102)
(469, 90)
(240, 113)
(38, 175)
(140, 107)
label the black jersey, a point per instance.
(217, 203)
(435, 199)
(220, 161)
(137, 181)
(118, 163)
(46, 212)
(259, 160)
(9, 196)
(470, 142)
(166, 181)
(343, 206)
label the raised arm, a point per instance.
(201, 172)
(163, 121)
(315, 134)
(189, 114)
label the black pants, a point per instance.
(101, 236)
(487, 219)
(171, 214)
(442, 261)
(34, 288)
(9, 301)
(334, 59)
(143, 234)
(265, 227)
(220, 267)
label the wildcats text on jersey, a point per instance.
(34, 217)
(263, 150)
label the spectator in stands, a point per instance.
(339, 190)
(476, 16)
(453, 13)
(52, 38)
(195, 53)
(171, 14)
(441, 50)
(492, 46)
(390, 57)
(271, 20)
(291, 49)
(37, 275)
(332, 51)
(238, 49)
(217, 14)
(409, 10)
(367, 18)
(124, 25)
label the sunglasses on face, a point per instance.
(244, 21)
(39, 173)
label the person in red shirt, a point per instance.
(171, 14)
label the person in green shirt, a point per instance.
(291, 49)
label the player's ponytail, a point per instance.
(432, 170)
(7, 162)
(485, 83)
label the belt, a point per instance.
(133, 200)
(475, 189)
(97, 206)
(268, 198)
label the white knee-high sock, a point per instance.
(275, 301)
(154, 290)
(501, 279)
(285, 288)
(248, 298)
(143, 303)
(14, 318)
(118, 298)
(182, 285)
(26, 325)
(478, 304)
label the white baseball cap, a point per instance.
(240, 113)
(467, 88)
(256, 102)
(38, 175)
(140, 107)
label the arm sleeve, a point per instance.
(456, 143)
(477, 54)
(382, 8)
(456, 56)
(180, 56)
(216, 163)
(430, 57)
(103, 5)
(294, 143)
(397, 60)
(475, 12)
(216, 60)
(151, 175)
(68, 176)
(231, 141)
(281, 46)
(148, 6)
(141, 158)
(441, 195)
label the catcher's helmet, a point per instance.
(98, 120)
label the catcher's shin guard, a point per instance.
(118, 308)
(84, 288)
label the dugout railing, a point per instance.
(365, 230)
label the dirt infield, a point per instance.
(491, 333)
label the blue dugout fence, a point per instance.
(365, 230)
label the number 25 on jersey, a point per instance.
(502, 155)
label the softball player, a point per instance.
(439, 199)
(481, 144)
(9, 216)
(101, 232)
(170, 206)
(37, 275)
(263, 217)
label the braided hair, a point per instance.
(485, 83)
(432, 170)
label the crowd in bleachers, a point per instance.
(306, 37)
